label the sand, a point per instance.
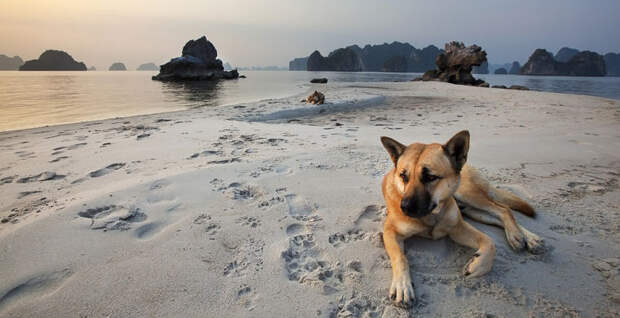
(274, 208)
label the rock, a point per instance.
(201, 49)
(10, 63)
(395, 64)
(584, 63)
(501, 71)
(612, 63)
(340, 60)
(393, 57)
(499, 86)
(483, 84)
(198, 62)
(118, 66)
(565, 54)
(540, 62)
(298, 64)
(316, 98)
(482, 69)
(148, 67)
(322, 80)
(242, 76)
(455, 65)
(53, 60)
(515, 68)
(519, 87)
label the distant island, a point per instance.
(53, 60)
(571, 63)
(262, 68)
(403, 57)
(148, 67)
(10, 63)
(118, 66)
(393, 57)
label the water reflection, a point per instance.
(192, 94)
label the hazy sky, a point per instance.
(271, 32)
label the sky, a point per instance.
(272, 32)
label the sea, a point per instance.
(35, 99)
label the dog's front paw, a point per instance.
(516, 239)
(535, 244)
(479, 265)
(401, 291)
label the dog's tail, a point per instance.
(514, 202)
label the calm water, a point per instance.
(34, 99)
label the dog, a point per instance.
(422, 194)
(316, 98)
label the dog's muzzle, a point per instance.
(416, 208)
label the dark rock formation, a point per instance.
(340, 60)
(612, 63)
(92, 68)
(519, 87)
(148, 67)
(118, 66)
(499, 86)
(565, 54)
(53, 60)
(322, 80)
(515, 68)
(316, 62)
(540, 62)
(584, 63)
(456, 64)
(482, 69)
(10, 63)
(298, 64)
(198, 62)
(501, 71)
(395, 64)
(393, 57)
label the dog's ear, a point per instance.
(456, 149)
(393, 147)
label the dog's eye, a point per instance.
(404, 176)
(430, 178)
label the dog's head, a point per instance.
(426, 175)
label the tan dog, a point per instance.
(420, 192)
(316, 98)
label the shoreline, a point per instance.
(205, 210)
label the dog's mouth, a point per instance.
(413, 212)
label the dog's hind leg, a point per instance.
(535, 244)
(465, 234)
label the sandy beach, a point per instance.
(274, 208)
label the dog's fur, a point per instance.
(421, 193)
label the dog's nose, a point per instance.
(432, 206)
(406, 205)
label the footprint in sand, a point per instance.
(34, 287)
(102, 172)
(43, 176)
(112, 217)
(298, 206)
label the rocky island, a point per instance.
(53, 60)
(393, 57)
(118, 66)
(455, 65)
(198, 61)
(148, 67)
(10, 63)
(584, 63)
